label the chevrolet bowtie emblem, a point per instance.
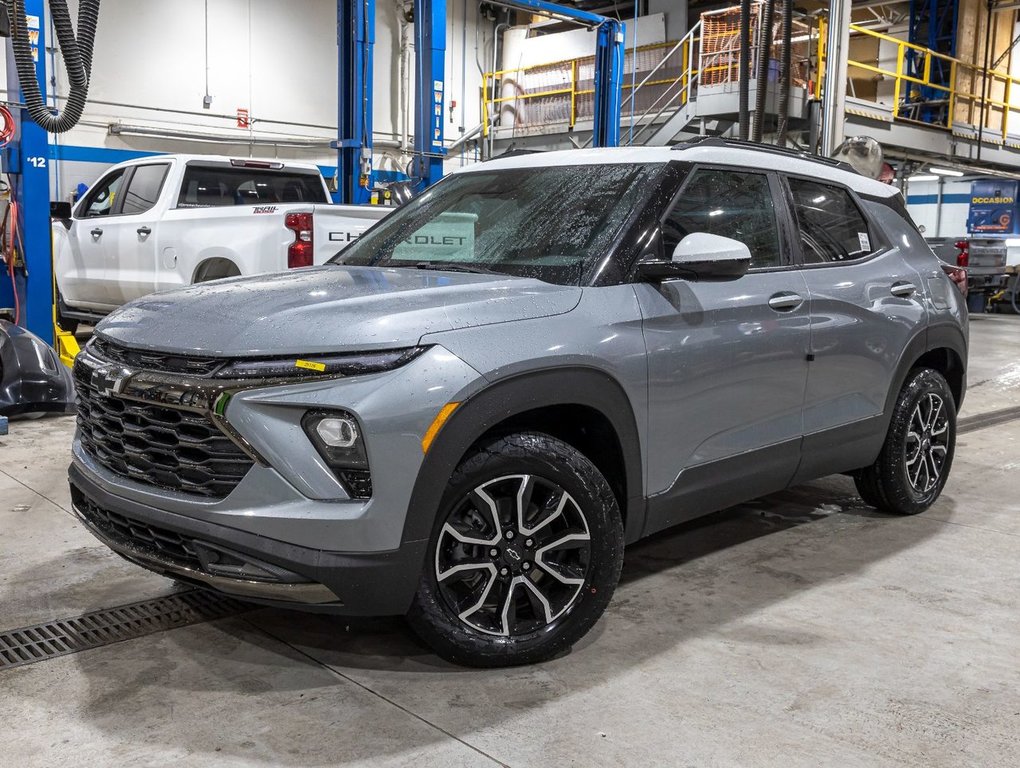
(110, 380)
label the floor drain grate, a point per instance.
(112, 625)
(985, 420)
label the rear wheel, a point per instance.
(525, 557)
(912, 469)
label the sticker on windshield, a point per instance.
(309, 365)
(865, 241)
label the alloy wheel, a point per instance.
(927, 443)
(513, 555)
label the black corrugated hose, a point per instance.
(785, 73)
(76, 51)
(762, 81)
(744, 75)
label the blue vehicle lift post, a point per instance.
(355, 37)
(430, 88)
(27, 160)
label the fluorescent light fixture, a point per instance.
(923, 177)
(945, 172)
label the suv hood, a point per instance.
(328, 309)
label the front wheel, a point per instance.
(912, 468)
(525, 556)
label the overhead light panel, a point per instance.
(945, 172)
(923, 177)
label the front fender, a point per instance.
(515, 395)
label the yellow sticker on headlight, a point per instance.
(309, 365)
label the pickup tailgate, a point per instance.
(336, 226)
(987, 256)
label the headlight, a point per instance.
(353, 364)
(336, 435)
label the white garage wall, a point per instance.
(922, 199)
(276, 58)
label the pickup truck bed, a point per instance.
(171, 220)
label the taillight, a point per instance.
(963, 257)
(299, 254)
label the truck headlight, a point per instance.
(337, 437)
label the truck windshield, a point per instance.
(210, 186)
(551, 223)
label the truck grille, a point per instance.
(158, 446)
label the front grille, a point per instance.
(154, 361)
(148, 538)
(162, 447)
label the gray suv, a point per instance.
(467, 414)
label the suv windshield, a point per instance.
(550, 223)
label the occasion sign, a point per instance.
(993, 209)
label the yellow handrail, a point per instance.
(953, 91)
(492, 82)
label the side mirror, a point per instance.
(701, 257)
(60, 209)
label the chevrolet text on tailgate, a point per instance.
(467, 415)
(174, 220)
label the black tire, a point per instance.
(915, 461)
(68, 324)
(532, 467)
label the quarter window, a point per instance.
(832, 227)
(731, 204)
(143, 191)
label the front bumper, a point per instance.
(360, 584)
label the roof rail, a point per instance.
(800, 154)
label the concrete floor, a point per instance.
(801, 629)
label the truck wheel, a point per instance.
(66, 323)
(914, 464)
(525, 556)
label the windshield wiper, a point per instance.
(453, 266)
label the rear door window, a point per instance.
(143, 189)
(832, 227)
(733, 204)
(208, 186)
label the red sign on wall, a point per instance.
(242, 118)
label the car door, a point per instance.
(727, 361)
(866, 304)
(132, 262)
(83, 276)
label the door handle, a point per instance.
(144, 231)
(96, 233)
(785, 301)
(903, 289)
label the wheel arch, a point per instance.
(213, 268)
(553, 401)
(944, 349)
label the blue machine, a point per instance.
(27, 160)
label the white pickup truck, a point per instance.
(171, 220)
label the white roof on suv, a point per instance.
(720, 153)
